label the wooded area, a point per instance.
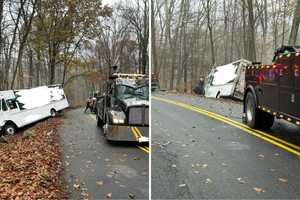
(190, 37)
(72, 42)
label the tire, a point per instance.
(252, 113)
(266, 121)
(53, 112)
(256, 118)
(10, 129)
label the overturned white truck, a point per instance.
(19, 108)
(227, 80)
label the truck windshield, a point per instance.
(126, 92)
(12, 104)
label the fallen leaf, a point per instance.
(261, 156)
(208, 180)
(258, 190)
(131, 196)
(99, 183)
(284, 180)
(84, 194)
(109, 195)
(241, 180)
(76, 186)
(204, 165)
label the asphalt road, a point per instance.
(195, 156)
(96, 169)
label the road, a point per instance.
(96, 169)
(197, 155)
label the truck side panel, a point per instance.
(296, 73)
(286, 85)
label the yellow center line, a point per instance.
(134, 133)
(138, 132)
(137, 135)
(144, 149)
(267, 137)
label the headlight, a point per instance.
(118, 121)
(118, 117)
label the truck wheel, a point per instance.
(10, 129)
(252, 113)
(53, 112)
(266, 120)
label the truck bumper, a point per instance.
(138, 134)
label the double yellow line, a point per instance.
(262, 135)
(137, 134)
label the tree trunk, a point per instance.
(295, 26)
(251, 32)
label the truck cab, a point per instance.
(273, 90)
(123, 110)
(8, 106)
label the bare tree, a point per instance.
(295, 25)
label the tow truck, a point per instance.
(273, 91)
(123, 110)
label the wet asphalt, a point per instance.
(195, 157)
(97, 169)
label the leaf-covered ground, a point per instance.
(30, 164)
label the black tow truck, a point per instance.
(123, 110)
(273, 91)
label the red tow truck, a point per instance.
(273, 91)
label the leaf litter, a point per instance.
(30, 166)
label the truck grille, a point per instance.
(138, 115)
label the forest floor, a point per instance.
(30, 163)
(69, 157)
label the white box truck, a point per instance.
(19, 108)
(227, 80)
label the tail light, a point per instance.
(296, 70)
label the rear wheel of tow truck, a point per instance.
(53, 112)
(10, 129)
(252, 113)
(266, 120)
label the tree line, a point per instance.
(189, 37)
(46, 42)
